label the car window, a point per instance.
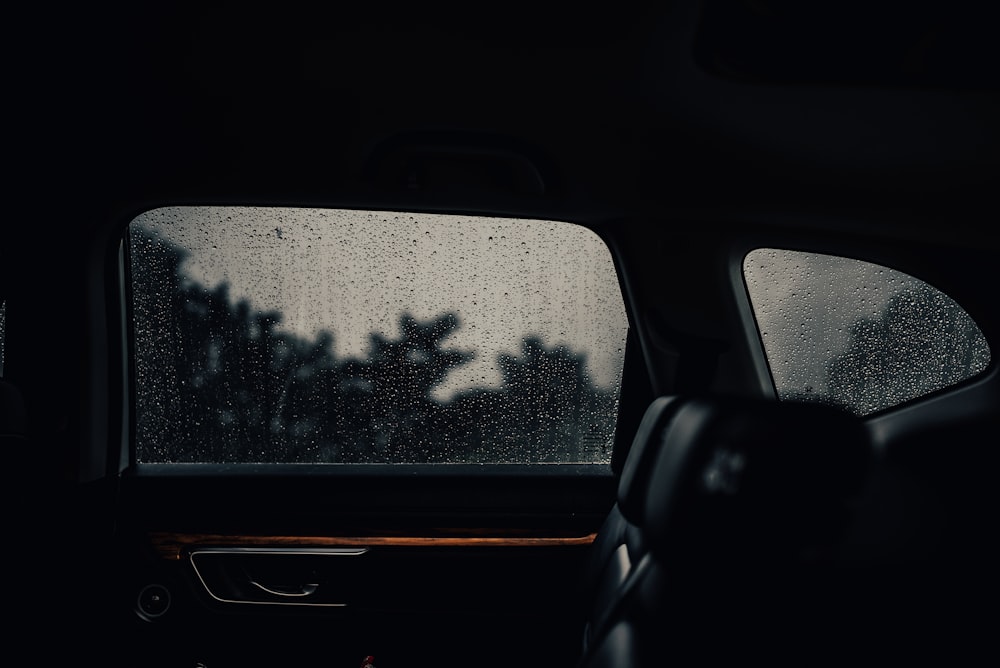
(855, 334)
(290, 335)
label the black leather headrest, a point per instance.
(641, 457)
(754, 474)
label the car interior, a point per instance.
(615, 336)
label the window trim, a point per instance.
(748, 321)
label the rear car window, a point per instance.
(855, 334)
(292, 335)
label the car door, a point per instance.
(281, 497)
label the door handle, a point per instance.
(277, 575)
(289, 591)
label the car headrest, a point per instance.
(754, 476)
(641, 457)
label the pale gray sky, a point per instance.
(355, 272)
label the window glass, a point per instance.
(855, 334)
(334, 336)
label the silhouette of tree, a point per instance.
(218, 382)
(390, 391)
(311, 403)
(921, 343)
(548, 409)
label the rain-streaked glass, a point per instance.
(855, 334)
(273, 334)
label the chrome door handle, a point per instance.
(290, 591)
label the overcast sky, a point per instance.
(353, 273)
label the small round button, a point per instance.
(153, 601)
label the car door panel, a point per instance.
(367, 553)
